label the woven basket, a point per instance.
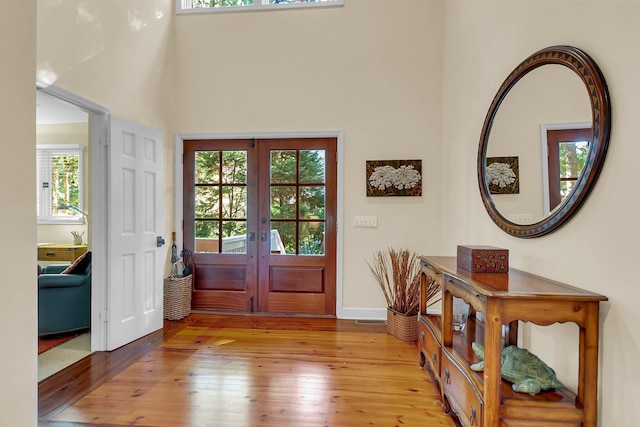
(177, 297)
(403, 327)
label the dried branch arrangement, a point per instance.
(398, 275)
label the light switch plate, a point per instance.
(365, 221)
(521, 218)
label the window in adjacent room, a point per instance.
(194, 6)
(59, 181)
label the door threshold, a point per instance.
(262, 314)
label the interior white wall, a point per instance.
(18, 140)
(596, 250)
(370, 69)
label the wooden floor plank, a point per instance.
(248, 371)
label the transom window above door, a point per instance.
(199, 6)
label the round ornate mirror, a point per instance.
(542, 147)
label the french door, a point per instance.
(260, 220)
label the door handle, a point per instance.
(159, 241)
(252, 236)
(263, 236)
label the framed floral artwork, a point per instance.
(394, 178)
(502, 175)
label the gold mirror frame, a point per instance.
(586, 68)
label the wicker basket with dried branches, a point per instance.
(397, 273)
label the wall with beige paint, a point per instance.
(597, 250)
(370, 69)
(18, 140)
(119, 54)
(375, 71)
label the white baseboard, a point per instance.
(354, 313)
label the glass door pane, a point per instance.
(220, 201)
(297, 201)
(572, 157)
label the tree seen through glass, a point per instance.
(221, 201)
(221, 3)
(64, 183)
(228, 3)
(572, 156)
(298, 199)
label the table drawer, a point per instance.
(429, 347)
(465, 401)
(68, 254)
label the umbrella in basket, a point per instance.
(175, 260)
(174, 254)
(187, 262)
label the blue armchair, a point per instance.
(64, 300)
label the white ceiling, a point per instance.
(50, 109)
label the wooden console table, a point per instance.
(60, 251)
(483, 399)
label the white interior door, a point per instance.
(135, 216)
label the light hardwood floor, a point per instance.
(250, 371)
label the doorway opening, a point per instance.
(61, 116)
(63, 233)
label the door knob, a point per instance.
(160, 241)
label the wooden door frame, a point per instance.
(339, 135)
(555, 137)
(544, 127)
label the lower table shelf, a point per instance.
(462, 388)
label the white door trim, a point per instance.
(99, 117)
(338, 134)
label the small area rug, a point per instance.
(48, 342)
